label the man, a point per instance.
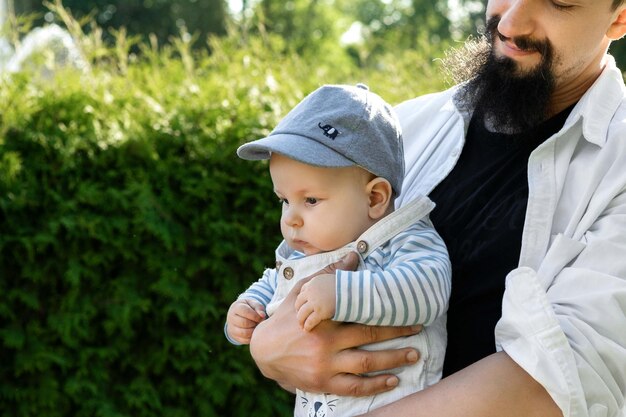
(527, 164)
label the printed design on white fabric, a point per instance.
(319, 408)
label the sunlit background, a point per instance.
(352, 21)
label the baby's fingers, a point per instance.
(306, 316)
(246, 311)
(239, 334)
(244, 322)
(258, 308)
(300, 301)
(313, 320)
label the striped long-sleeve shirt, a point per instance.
(405, 281)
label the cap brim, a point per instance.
(299, 148)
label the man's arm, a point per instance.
(326, 360)
(494, 386)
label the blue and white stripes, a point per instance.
(263, 290)
(404, 282)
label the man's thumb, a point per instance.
(348, 263)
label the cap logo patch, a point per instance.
(329, 131)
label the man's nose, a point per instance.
(516, 17)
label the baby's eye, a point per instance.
(311, 200)
(283, 201)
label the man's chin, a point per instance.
(520, 67)
(523, 70)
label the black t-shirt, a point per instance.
(480, 213)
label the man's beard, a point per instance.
(509, 99)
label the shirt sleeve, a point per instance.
(262, 290)
(565, 322)
(412, 287)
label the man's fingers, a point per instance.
(360, 361)
(359, 386)
(348, 263)
(360, 334)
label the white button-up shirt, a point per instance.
(564, 307)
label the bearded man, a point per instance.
(526, 161)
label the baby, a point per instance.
(336, 163)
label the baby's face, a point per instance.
(323, 208)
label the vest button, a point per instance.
(278, 264)
(288, 273)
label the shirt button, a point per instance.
(278, 264)
(361, 246)
(288, 273)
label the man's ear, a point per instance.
(618, 28)
(380, 196)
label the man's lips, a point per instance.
(510, 50)
(520, 47)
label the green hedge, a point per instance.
(128, 225)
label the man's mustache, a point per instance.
(524, 43)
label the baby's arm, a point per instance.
(242, 318)
(249, 309)
(316, 301)
(412, 288)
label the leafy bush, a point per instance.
(128, 225)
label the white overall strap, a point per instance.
(392, 224)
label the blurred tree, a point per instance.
(368, 28)
(307, 26)
(402, 22)
(618, 50)
(389, 25)
(164, 18)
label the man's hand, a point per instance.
(242, 318)
(326, 359)
(316, 301)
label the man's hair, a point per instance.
(617, 3)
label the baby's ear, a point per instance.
(380, 196)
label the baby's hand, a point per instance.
(316, 301)
(243, 316)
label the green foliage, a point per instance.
(128, 225)
(370, 28)
(163, 18)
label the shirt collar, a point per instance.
(598, 105)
